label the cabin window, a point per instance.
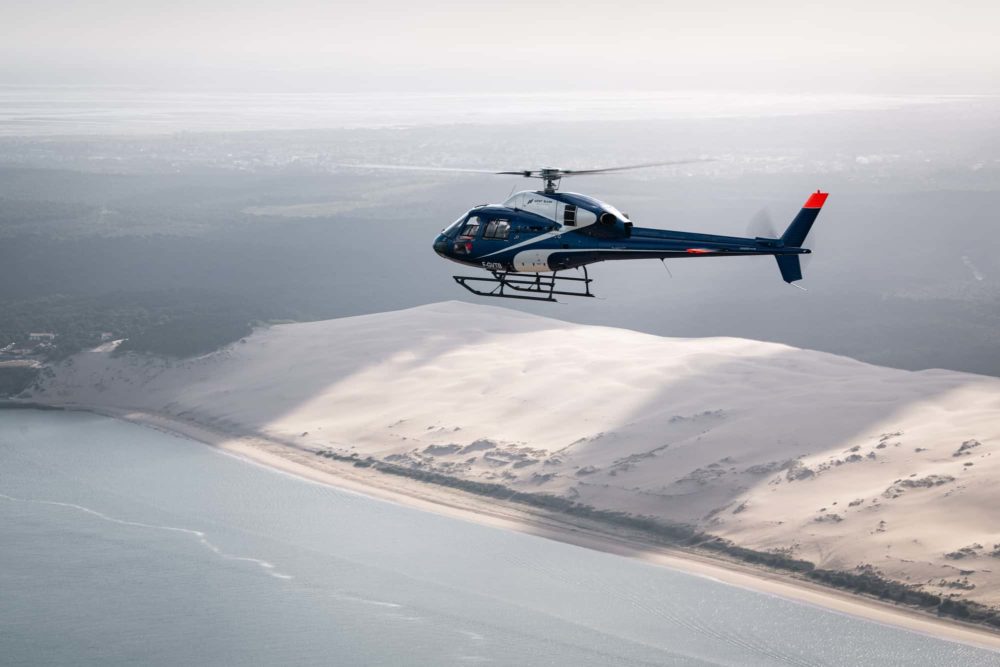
(497, 229)
(569, 215)
(471, 228)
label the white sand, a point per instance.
(699, 430)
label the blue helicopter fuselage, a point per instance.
(540, 232)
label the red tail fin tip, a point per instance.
(816, 199)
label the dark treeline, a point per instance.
(174, 264)
(177, 322)
(15, 379)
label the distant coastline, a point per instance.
(143, 110)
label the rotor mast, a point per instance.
(551, 178)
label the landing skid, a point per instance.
(540, 287)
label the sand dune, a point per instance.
(835, 461)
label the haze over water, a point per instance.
(124, 545)
(72, 110)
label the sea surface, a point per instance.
(124, 545)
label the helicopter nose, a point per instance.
(441, 245)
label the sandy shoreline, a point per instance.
(580, 532)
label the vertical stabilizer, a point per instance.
(796, 233)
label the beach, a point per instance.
(510, 516)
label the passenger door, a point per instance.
(495, 235)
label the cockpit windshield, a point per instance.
(453, 228)
(471, 228)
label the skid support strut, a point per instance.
(532, 288)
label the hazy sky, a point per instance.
(887, 46)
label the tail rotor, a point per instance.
(761, 225)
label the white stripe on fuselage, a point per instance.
(543, 237)
(544, 254)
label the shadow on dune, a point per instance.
(670, 427)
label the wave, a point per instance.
(202, 538)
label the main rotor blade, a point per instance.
(647, 165)
(410, 167)
(527, 173)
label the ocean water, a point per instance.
(124, 545)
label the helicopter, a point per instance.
(529, 242)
